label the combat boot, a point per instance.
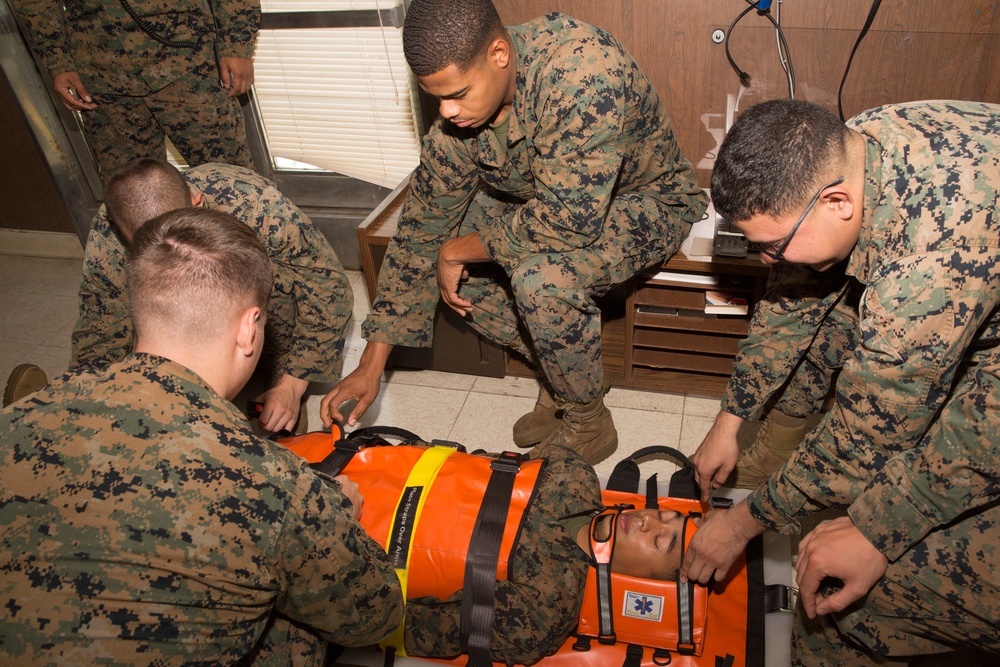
(545, 418)
(23, 380)
(586, 428)
(765, 447)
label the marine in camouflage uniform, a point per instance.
(798, 392)
(311, 302)
(538, 607)
(910, 447)
(145, 89)
(580, 186)
(145, 524)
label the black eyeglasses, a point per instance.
(779, 254)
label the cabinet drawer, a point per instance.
(685, 361)
(671, 297)
(689, 321)
(668, 339)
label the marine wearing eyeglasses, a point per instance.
(899, 205)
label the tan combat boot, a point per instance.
(586, 429)
(765, 447)
(531, 428)
(23, 380)
(545, 418)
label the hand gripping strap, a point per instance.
(481, 562)
(404, 525)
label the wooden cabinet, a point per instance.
(671, 343)
(656, 335)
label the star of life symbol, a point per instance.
(642, 605)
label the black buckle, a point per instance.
(509, 462)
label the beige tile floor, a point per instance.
(38, 299)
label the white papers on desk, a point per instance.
(699, 244)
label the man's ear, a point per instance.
(246, 336)
(197, 198)
(840, 201)
(499, 52)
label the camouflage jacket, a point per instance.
(104, 44)
(538, 607)
(145, 524)
(585, 127)
(928, 258)
(311, 303)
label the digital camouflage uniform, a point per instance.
(144, 524)
(311, 302)
(538, 607)
(589, 188)
(833, 299)
(911, 445)
(144, 89)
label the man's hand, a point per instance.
(71, 91)
(236, 75)
(350, 490)
(836, 549)
(451, 269)
(717, 454)
(722, 536)
(282, 404)
(363, 385)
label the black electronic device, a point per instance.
(729, 241)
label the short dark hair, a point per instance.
(195, 270)
(142, 190)
(774, 157)
(438, 33)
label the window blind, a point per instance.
(340, 99)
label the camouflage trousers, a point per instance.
(942, 594)
(546, 308)
(194, 112)
(804, 391)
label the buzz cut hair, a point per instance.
(775, 156)
(142, 190)
(439, 33)
(193, 271)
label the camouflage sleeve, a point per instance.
(539, 606)
(103, 331)
(238, 22)
(307, 269)
(918, 320)
(45, 32)
(439, 194)
(956, 465)
(795, 304)
(338, 581)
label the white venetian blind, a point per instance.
(339, 99)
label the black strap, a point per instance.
(337, 460)
(391, 431)
(625, 476)
(605, 622)
(779, 597)
(685, 606)
(479, 586)
(755, 603)
(633, 656)
(652, 493)
(345, 448)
